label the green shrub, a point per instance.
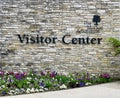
(116, 44)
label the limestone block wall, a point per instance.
(57, 18)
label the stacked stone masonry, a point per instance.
(56, 18)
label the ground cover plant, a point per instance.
(14, 83)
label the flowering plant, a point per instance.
(13, 83)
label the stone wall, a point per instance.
(56, 18)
